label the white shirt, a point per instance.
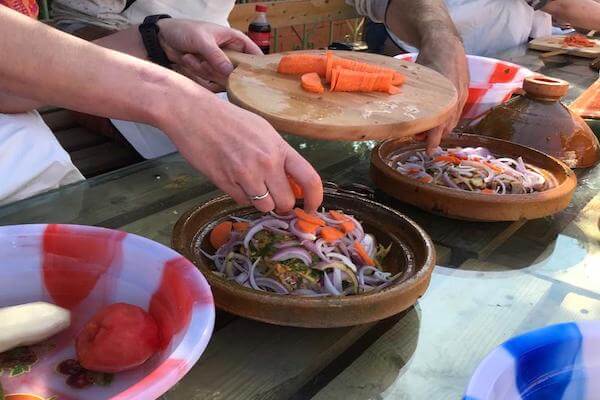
(486, 26)
(111, 14)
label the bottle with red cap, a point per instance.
(260, 29)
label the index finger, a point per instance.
(242, 43)
(306, 176)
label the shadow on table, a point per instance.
(371, 365)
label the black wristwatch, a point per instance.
(149, 31)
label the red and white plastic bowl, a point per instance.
(83, 269)
(492, 82)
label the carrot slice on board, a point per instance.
(306, 226)
(362, 253)
(334, 78)
(312, 83)
(398, 79)
(488, 191)
(220, 234)
(296, 189)
(328, 65)
(331, 234)
(394, 90)
(298, 64)
(313, 219)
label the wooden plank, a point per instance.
(553, 43)
(59, 119)
(252, 360)
(102, 158)
(463, 316)
(295, 12)
(78, 138)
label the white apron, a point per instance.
(147, 140)
(491, 26)
(31, 159)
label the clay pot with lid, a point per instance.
(539, 120)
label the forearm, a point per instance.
(581, 13)
(65, 71)
(127, 41)
(418, 22)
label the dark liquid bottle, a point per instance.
(260, 30)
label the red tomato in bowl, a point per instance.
(119, 337)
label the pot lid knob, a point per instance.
(545, 88)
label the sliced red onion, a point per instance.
(238, 219)
(293, 252)
(316, 247)
(343, 259)
(369, 244)
(272, 284)
(343, 248)
(286, 217)
(241, 278)
(337, 279)
(328, 220)
(288, 243)
(449, 182)
(205, 254)
(298, 233)
(358, 229)
(329, 287)
(251, 274)
(272, 223)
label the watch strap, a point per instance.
(149, 32)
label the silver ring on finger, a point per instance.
(260, 197)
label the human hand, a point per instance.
(195, 49)
(446, 55)
(241, 154)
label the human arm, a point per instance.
(579, 13)
(427, 25)
(239, 151)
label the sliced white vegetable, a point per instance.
(31, 323)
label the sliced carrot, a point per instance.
(347, 226)
(393, 90)
(346, 80)
(241, 226)
(362, 253)
(338, 216)
(334, 78)
(449, 158)
(328, 66)
(306, 226)
(312, 83)
(220, 234)
(296, 189)
(488, 191)
(331, 234)
(425, 179)
(298, 64)
(398, 79)
(313, 219)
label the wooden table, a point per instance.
(493, 281)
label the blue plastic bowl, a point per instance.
(559, 362)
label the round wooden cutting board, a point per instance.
(425, 100)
